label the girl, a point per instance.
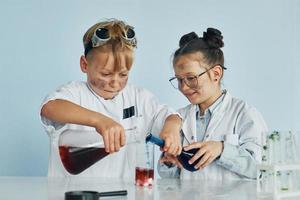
(226, 130)
(106, 103)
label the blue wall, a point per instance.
(41, 45)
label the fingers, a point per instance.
(111, 141)
(122, 138)
(113, 134)
(172, 149)
(105, 136)
(178, 163)
(194, 146)
(172, 146)
(179, 149)
(117, 140)
(167, 144)
(197, 155)
(203, 160)
(170, 159)
(208, 152)
(166, 159)
(207, 162)
(114, 139)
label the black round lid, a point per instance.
(81, 195)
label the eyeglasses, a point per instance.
(190, 81)
(102, 35)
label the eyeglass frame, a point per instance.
(97, 41)
(195, 76)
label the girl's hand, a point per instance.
(112, 132)
(209, 151)
(170, 159)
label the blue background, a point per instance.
(41, 42)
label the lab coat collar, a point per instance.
(101, 98)
(189, 125)
(218, 113)
(212, 107)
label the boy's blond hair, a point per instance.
(116, 44)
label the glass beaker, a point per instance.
(265, 182)
(289, 153)
(144, 169)
(275, 147)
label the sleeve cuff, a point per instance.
(229, 151)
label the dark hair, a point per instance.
(209, 45)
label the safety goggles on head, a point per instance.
(102, 35)
(190, 81)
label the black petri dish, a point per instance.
(81, 195)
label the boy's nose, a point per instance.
(114, 84)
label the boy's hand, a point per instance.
(172, 142)
(167, 158)
(209, 151)
(112, 132)
(171, 135)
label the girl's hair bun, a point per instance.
(213, 37)
(185, 39)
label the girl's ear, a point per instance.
(83, 64)
(217, 72)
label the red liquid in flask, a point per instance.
(144, 176)
(77, 159)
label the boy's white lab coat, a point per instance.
(148, 116)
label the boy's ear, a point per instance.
(83, 64)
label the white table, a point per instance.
(40, 188)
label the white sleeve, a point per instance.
(154, 112)
(69, 92)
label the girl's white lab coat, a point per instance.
(148, 116)
(239, 126)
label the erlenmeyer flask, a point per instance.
(80, 149)
(183, 158)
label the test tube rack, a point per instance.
(273, 169)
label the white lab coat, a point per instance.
(149, 116)
(239, 126)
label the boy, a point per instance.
(107, 104)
